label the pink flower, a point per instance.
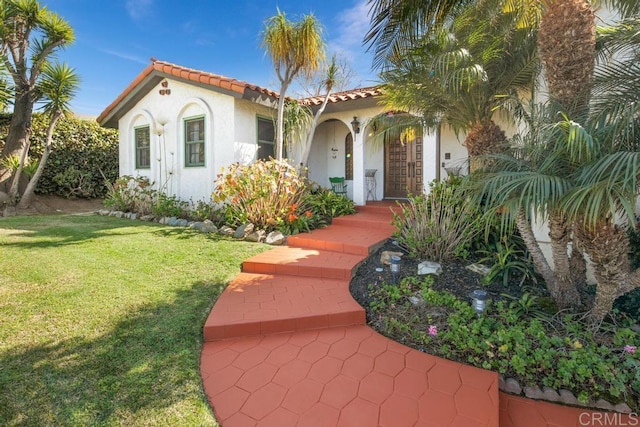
(630, 349)
(433, 330)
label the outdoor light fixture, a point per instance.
(395, 268)
(479, 300)
(355, 124)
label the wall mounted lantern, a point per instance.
(355, 124)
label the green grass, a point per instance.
(101, 320)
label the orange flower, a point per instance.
(292, 217)
(308, 214)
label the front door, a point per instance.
(403, 168)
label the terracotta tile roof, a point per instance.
(166, 69)
(185, 73)
(348, 95)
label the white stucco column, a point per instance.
(359, 190)
(430, 158)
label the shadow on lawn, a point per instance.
(145, 370)
(61, 230)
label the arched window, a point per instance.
(348, 157)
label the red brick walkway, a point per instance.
(286, 345)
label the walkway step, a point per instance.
(290, 261)
(344, 376)
(342, 238)
(255, 304)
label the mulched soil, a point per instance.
(455, 278)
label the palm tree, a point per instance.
(294, 47)
(29, 34)
(464, 73)
(57, 87)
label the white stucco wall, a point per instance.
(230, 136)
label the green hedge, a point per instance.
(81, 149)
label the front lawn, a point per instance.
(101, 319)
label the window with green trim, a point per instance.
(266, 138)
(194, 141)
(143, 147)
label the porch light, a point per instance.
(479, 300)
(355, 124)
(395, 268)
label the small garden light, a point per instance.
(479, 300)
(395, 268)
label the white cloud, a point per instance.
(126, 56)
(138, 9)
(352, 25)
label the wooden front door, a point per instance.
(403, 170)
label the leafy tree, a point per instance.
(58, 86)
(294, 47)
(29, 35)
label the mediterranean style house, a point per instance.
(180, 127)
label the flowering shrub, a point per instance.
(135, 194)
(266, 193)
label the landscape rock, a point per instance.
(603, 404)
(275, 238)
(550, 394)
(226, 230)
(103, 212)
(164, 220)
(416, 300)
(385, 256)
(478, 268)
(147, 218)
(533, 392)
(429, 267)
(623, 408)
(501, 382)
(243, 231)
(182, 223)
(132, 215)
(257, 236)
(172, 221)
(512, 386)
(197, 225)
(208, 226)
(567, 397)
(117, 214)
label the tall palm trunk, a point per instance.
(18, 138)
(564, 291)
(485, 137)
(566, 43)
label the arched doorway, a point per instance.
(403, 166)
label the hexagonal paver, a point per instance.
(331, 335)
(389, 363)
(373, 345)
(359, 413)
(344, 348)
(376, 387)
(264, 401)
(320, 415)
(399, 411)
(313, 351)
(478, 378)
(340, 391)
(251, 358)
(325, 369)
(473, 403)
(439, 408)
(358, 366)
(222, 380)
(411, 383)
(302, 396)
(278, 418)
(420, 361)
(283, 354)
(257, 377)
(229, 402)
(444, 377)
(292, 373)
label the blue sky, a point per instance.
(115, 39)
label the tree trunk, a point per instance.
(608, 246)
(312, 131)
(19, 132)
(566, 43)
(485, 137)
(564, 292)
(280, 121)
(27, 197)
(539, 261)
